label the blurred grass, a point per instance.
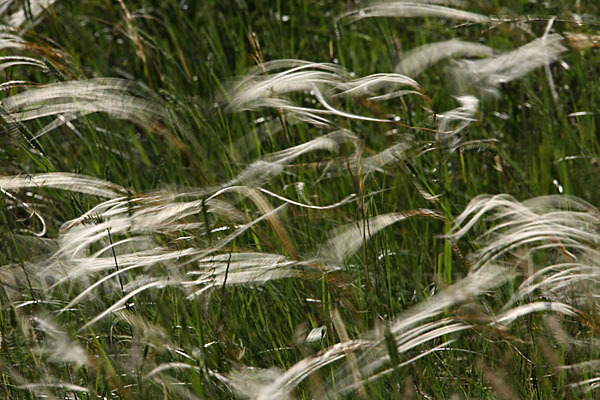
(192, 49)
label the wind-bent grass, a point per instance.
(189, 211)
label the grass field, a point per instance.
(299, 199)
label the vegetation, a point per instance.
(299, 199)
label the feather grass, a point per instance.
(208, 289)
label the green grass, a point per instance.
(404, 257)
